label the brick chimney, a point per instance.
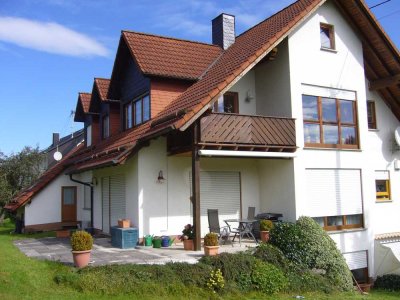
(223, 30)
(56, 138)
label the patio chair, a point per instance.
(213, 224)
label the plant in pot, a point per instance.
(81, 243)
(265, 227)
(211, 245)
(187, 237)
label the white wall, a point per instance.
(45, 207)
(277, 191)
(246, 87)
(83, 214)
(273, 85)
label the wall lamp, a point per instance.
(160, 178)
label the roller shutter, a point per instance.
(222, 191)
(333, 192)
(356, 260)
(105, 195)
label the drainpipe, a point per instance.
(89, 184)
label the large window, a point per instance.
(229, 103)
(340, 222)
(137, 111)
(329, 122)
(371, 115)
(106, 126)
(327, 36)
(382, 185)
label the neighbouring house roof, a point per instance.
(170, 57)
(66, 139)
(82, 107)
(27, 194)
(386, 236)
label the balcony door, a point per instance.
(229, 103)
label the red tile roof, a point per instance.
(82, 106)
(102, 85)
(170, 57)
(26, 195)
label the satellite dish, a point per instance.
(57, 156)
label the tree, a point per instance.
(18, 171)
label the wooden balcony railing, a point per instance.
(243, 132)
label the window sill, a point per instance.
(330, 149)
(346, 230)
(329, 50)
(383, 201)
(373, 129)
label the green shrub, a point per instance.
(232, 265)
(216, 281)
(271, 254)
(267, 278)
(81, 241)
(266, 225)
(390, 282)
(307, 244)
(191, 274)
(301, 281)
(211, 239)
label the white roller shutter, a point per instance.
(333, 192)
(356, 260)
(105, 195)
(117, 199)
(219, 190)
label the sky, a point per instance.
(50, 50)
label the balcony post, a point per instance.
(196, 186)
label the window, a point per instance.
(229, 103)
(128, 116)
(382, 185)
(358, 265)
(106, 126)
(371, 115)
(89, 135)
(327, 36)
(137, 111)
(329, 122)
(330, 223)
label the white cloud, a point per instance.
(49, 37)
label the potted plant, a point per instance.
(187, 237)
(265, 227)
(211, 244)
(81, 243)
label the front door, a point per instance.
(68, 204)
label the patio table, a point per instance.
(245, 228)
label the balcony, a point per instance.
(232, 132)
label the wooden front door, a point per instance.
(68, 204)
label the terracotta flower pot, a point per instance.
(81, 258)
(188, 245)
(264, 236)
(211, 250)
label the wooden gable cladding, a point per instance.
(95, 129)
(231, 131)
(164, 91)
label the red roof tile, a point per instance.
(82, 106)
(170, 57)
(26, 195)
(102, 85)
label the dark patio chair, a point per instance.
(213, 224)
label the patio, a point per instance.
(59, 249)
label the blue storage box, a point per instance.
(124, 238)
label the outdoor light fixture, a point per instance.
(160, 178)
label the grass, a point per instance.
(26, 278)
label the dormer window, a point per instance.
(106, 126)
(88, 135)
(137, 111)
(327, 36)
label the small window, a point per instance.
(106, 126)
(146, 108)
(88, 135)
(327, 36)
(382, 185)
(331, 223)
(371, 115)
(229, 103)
(128, 115)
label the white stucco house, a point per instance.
(294, 116)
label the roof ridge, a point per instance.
(102, 78)
(84, 93)
(170, 38)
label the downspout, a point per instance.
(89, 184)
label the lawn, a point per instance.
(26, 278)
